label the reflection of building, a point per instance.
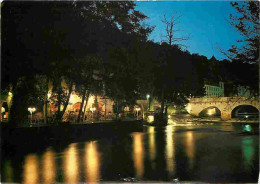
(214, 91)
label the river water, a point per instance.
(185, 153)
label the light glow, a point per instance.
(92, 162)
(31, 170)
(211, 111)
(49, 167)
(152, 143)
(150, 118)
(92, 109)
(147, 96)
(138, 154)
(169, 149)
(31, 109)
(71, 164)
(248, 128)
(189, 147)
(49, 95)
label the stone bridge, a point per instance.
(224, 104)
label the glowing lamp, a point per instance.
(150, 118)
(147, 96)
(31, 109)
(92, 109)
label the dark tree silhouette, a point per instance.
(247, 23)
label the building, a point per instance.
(214, 91)
(243, 91)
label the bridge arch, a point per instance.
(245, 111)
(211, 111)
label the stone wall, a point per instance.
(224, 104)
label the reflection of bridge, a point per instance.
(225, 104)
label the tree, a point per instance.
(247, 23)
(51, 36)
(171, 54)
(171, 30)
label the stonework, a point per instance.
(224, 104)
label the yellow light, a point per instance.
(31, 169)
(138, 154)
(150, 118)
(189, 147)
(169, 116)
(170, 150)
(49, 95)
(211, 111)
(31, 109)
(92, 162)
(92, 109)
(152, 143)
(49, 167)
(71, 164)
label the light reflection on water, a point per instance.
(152, 143)
(138, 154)
(92, 162)
(169, 149)
(31, 170)
(49, 166)
(83, 162)
(9, 171)
(248, 152)
(189, 147)
(71, 164)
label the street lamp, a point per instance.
(137, 110)
(31, 110)
(148, 98)
(92, 109)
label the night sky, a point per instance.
(207, 23)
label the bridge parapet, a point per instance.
(220, 99)
(224, 104)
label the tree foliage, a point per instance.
(247, 23)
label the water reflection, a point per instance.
(248, 152)
(49, 166)
(189, 147)
(92, 162)
(138, 154)
(8, 171)
(152, 144)
(170, 152)
(71, 164)
(31, 170)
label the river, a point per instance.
(195, 152)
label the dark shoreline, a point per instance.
(65, 133)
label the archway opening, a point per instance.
(245, 112)
(210, 112)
